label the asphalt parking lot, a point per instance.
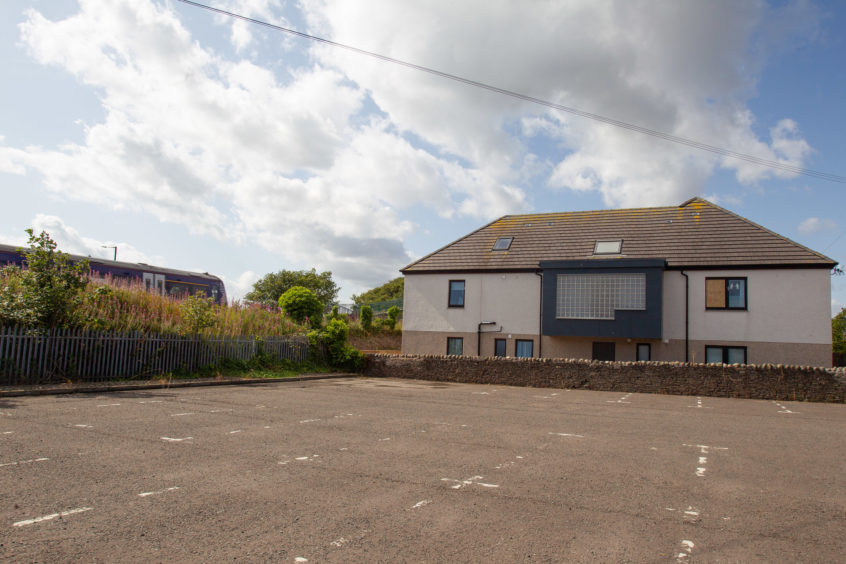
(359, 470)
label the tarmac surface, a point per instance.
(363, 470)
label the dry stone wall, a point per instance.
(771, 382)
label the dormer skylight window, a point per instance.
(608, 247)
(502, 244)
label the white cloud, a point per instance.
(324, 161)
(817, 225)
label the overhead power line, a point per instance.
(567, 109)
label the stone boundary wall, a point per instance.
(770, 381)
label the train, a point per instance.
(163, 281)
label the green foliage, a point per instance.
(47, 291)
(366, 318)
(838, 332)
(393, 317)
(270, 288)
(333, 341)
(198, 312)
(392, 290)
(300, 304)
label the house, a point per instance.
(693, 282)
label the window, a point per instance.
(644, 352)
(597, 296)
(524, 348)
(725, 355)
(502, 244)
(608, 247)
(455, 346)
(725, 293)
(499, 347)
(456, 293)
(603, 351)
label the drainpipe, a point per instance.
(686, 316)
(479, 335)
(540, 315)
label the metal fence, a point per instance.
(57, 355)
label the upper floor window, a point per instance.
(725, 293)
(597, 296)
(456, 293)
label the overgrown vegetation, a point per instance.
(331, 341)
(302, 305)
(838, 332)
(270, 288)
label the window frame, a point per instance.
(726, 280)
(463, 294)
(504, 347)
(725, 349)
(531, 347)
(460, 341)
(596, 350)
(598, 242)
(648, 352)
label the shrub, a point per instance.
(333, 341)
(366, 318)
(300, 303)
(197, 313)
(393, 316)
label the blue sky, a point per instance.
(194, 141)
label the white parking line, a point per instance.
(420, 504)
(24, 462)
(173, 440)
(784, 409)
(147, 494)
(51, 516)
(621, 400)
(568, 435)
(687, 549)
(473, 480)
(108, 405)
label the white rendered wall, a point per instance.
(788, 305)
(510, 299)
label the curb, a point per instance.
(90, 388)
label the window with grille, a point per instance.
(598, 296)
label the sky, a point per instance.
(193, 140)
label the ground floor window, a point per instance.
(499, 347)
(524, 349)
(644, 352)
(725, 355)
(603, 351)
(455, 346)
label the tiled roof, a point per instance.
(695, 234)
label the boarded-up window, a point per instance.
(715, 292)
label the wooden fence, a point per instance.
(58, 355)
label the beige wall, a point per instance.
(432, 342)
(512, 300)
(787, 305)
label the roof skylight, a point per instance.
(502, 244)
(608, 247)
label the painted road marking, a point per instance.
(699, 404)
(8, 432)
(568, 435)
(83, 426)
(182, 414)
(147, 494)
(621, 400)
(173, 440)
(300, 559)
(687, 549)
(151, 401)
(108, 405)
(235, 431)
(507, 464)
(51, 516)
(24, 462)
(784, 409)
(309, 420)
(340, 542)
(473, 480)
(703, 460)
(422, 503)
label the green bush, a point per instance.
(366, 318)
(48, 291)
(198, 312)
(300, 304)
(393, 317)
(333, 341)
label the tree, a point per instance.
(366, 318)
(46, 292)
(301, 303)
(268, 290)
(393, 317)
(392, 290)
(838, 332)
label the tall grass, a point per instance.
(125, 306)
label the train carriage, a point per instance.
(164, 281)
